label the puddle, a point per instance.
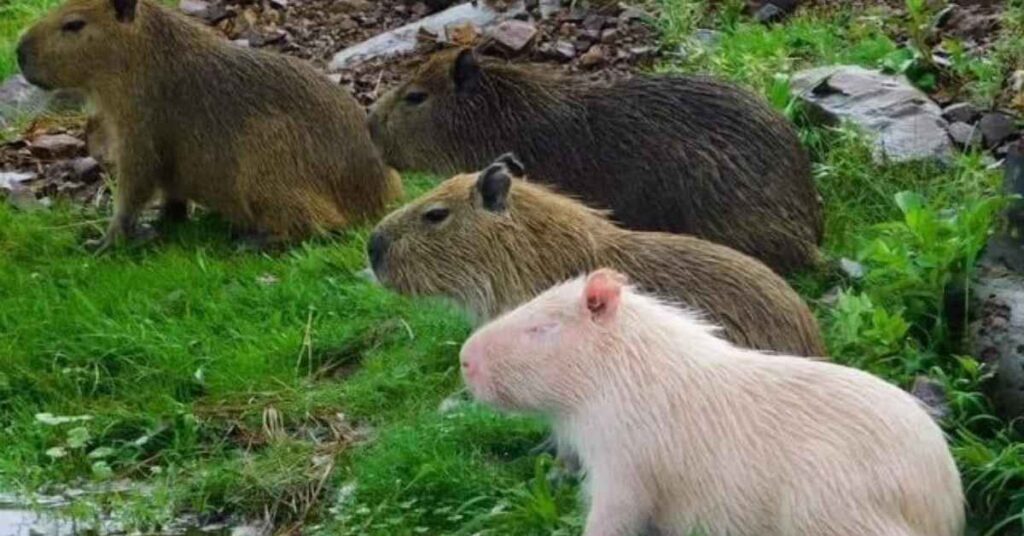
(20, 520)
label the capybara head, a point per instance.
(445, 104)
(78, 41)
(535, 357)
(484, 239)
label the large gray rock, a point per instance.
(19, 99)
(903, 122)
(402, 40)
(997, 331)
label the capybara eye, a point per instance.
(415, 97)
(436, 215)
(73, 25)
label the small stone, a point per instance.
(641, 52)
(9, 180)
(933, 395)
(244, 43)
(769, 13)
(851, 268)
(565, 50)
(593, 57)
(962, 112)
(965, 135)
(582, 45)
(56, 146)
(513, 35)
(996, 127)
(279, 4)
(85, 169)
(708, 38)
(1017, 81)
(335, 78)
(594, 22)
(609, 35)
(194, 8)
(351, 6)
(631, 14)
(420, 9)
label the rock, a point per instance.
(353, 6)
(85, 169)
(609, 35)
(403, 39)
(195, 8)
(9, 180)
(209, 13)
(593, 57)
(562, 51)
(903, 122)
(19, 99)
(769, 13)
(56, 146)
(1017, 81)
(997, 127)
(549, 8)
(963, 112)
(594, 22)
(996, 332)
(933, 395)
(707, 38)
(631, 14)
(513, 35)
(851, 268)
(965, 135)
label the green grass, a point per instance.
(15, 16)
(236, 383)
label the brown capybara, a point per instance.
(677, 154)
(262, 139)
(491, 241)
(680, 432)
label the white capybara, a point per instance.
(679, 432)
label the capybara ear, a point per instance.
(602, 294)
(493, 185)
(125, 9)
(466, 71)
(515, 167)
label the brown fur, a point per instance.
(663, 153)
(492, 260)
(260, 138)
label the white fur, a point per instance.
(680, 431)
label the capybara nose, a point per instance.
(471, 357)
(470, 367)
(376, 250)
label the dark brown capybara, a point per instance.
(260, 138)
(491, 241)
(677, 154)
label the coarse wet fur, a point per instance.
(678, 154)
(262, 139)
(680, 432)
(491, 241)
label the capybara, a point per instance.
(492, 240)
(680, 432)
(262, 139)
(678, 154)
